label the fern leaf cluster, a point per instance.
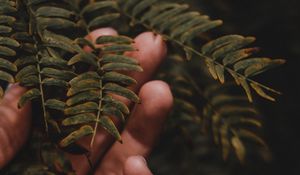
(234, 122)
(225, 54)
(43, 47)
(90, 93)
(8, 43)
(230, 118)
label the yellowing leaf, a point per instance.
(76, 135)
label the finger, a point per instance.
(14, 124)
(143, 129)
(151, 53)
(136, 165)
(149, 57)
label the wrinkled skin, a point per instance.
(139, 135)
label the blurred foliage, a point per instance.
(276, 25)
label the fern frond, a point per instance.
(225, 54)
(239, 62)
(90, 94)
(44, 66)
(8, 45)
(234, 122)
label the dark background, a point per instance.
(276, 24)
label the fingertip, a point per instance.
(153, 43)
(136, 165)
(158, 96)
(151, 53)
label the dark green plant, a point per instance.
(42, 48)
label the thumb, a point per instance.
(136, 165)
(14, 123)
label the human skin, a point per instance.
(139, 135)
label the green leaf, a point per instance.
(53, 62)
(84, 85)
(238, 55)
(107, 39)
(84, 76)
(28, 96)
(176, 21)
(7, 51)
(6, 77)
(104, 19)
(84, 42)
(76, 135)
(189, 35)
(119, 90)
(129, 4)
(87, 107)
(60, 41)
(110, 127)
(26, 71)
(28, 81)
(80, 119)
(50, 11)
(118, 78)
(9, 42)
(211, 46)
(113, 58)
(220, 72)
(55, 104)
(5, 8)
(7, 65)
(84, 57)
(55, 82)
(187, 26)
(261, 92)
(167, 14)
(232, 46)
(58, 74)
(7, 19)
(121, 67)
(156, 10)
(140, 7)
(5, 29)
(117, 104)
(246, 87)
(83, 97)
(241, 65)
(24, 61)
(257, 68)
(55, 23)
(112, 111)
(96, 6)
(211, 68)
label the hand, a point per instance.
(139, 135)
